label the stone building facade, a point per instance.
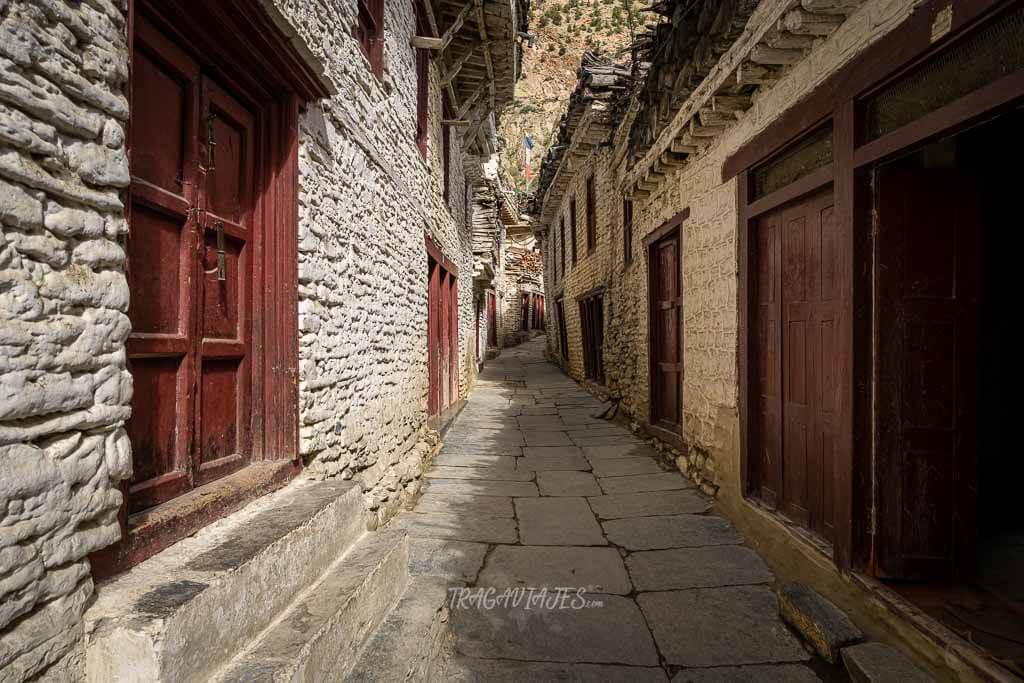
(674, 145)
(375, 177)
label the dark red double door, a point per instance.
(800, 348)
(190, 257)
(442, 336)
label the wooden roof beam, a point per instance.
(441, 43)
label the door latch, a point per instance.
(222, 259)
(212, 142)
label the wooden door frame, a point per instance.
(447, 327)
(261, 66)
(673, 225)
(836, 101)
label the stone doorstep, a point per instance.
(409, 644)
(320, 635)
(818, 620)
(153, 622)
(879, 663)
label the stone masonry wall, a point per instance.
(709, 264)
(366, 200)
(592, 270)
(64, 388)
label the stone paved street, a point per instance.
(532, 491)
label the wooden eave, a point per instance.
(778, 35)
(481, 60)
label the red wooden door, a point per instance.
(492, 319)
(434, 337)
(666, 333)
(928, 232)
(224, 417)
(191, 333)
(799, 290)
(162, 266)
(524, 312)
(442, 337)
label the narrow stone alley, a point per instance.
(532, 491)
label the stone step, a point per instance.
(154, 622)
(879, 663)
(320, 635)
(410, 643)
(818, 620)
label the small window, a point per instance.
(627, 231)
(369, 31)
(562, 242)
(591, 215)
(572, 227)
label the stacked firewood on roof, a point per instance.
(602, 84)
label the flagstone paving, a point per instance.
(534, 491)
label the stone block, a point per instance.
(709, 567)
(818, 620)
(623, 505)
(690, 627)
(456, 561)
(880, 663)
(619, 467)
(471, 670)
(638, 483)
(459, 527)
(672, 531)
(564, 483)
(462, 504)
(480, 487)
(784, 673)
(598, 570)
(614, 632)
(557, 521)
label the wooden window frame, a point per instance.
(562, 242)
(627, 231)
(837, 100)
(673, 225)
(591, 310)
(369, 33)
(591, 199)
(573, 227)
(276, 83)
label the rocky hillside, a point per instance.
(562, 30)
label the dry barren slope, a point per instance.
(563, 30)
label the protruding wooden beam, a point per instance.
(762, 54)
(673, 160)
(845, 7)
(749, 73)
(454, 69)
(427, 43)
(679, 147)
(456, 123)
(470, 101)
(805, 23)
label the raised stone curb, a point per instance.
(879, 663)
(819, 621)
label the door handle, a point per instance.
(212, 144)
(222, 259)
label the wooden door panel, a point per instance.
(928, 224)
(666, 332)
(161, 266)
(798, 295)
(224, 415)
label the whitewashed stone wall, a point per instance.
(64, 388)
(366, 200)
(709, 264)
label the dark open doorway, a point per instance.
(950, 534)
